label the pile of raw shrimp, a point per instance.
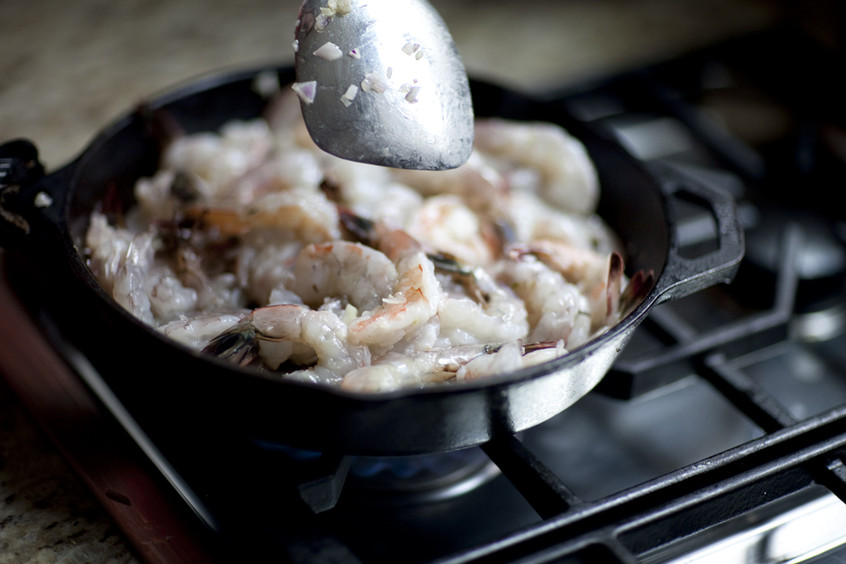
(251, 244)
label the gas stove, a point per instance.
(718, 436)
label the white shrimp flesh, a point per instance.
(254, 246)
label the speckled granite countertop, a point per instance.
(68, 68)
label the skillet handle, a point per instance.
(684, 275)
(30, 202)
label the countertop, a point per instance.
(69, 68)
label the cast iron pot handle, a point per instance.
(29, 200)
(687, 275)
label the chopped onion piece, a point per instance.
(354, 53)
(373, 83)
(305, 90)
(322, 21)
(412, 49)
(43, 200)
(328, 51)
(340, 7)
(411, 96)
(348, 96)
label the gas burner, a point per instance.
(419, 478)
(383, 480)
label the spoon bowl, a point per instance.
(382, 82)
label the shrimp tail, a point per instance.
(357, 227)
(614, 283)
(639, 285)
(466, 275)
(238, 344)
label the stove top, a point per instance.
(718, 435)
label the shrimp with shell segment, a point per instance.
(600, 278)
(531, 220)
(445, 223)
(490, 312)
(566, 175)
(264, 266)
(415, 295)
(216, 160)
(285, 329)
(348, 269)
(396, 370)
(299, 213)
(197, 332)
(477, 183)
(557, 309)
(124, 263)
(509, 357)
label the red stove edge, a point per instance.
(151, 516)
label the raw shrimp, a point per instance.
(531, 219)
(293, 169)
(369, 191)
(196, 332)
(557, 309)
(509, 357)
(218, 159)
(447, 225)
(567, 177)
(578, 264)
(357, 272)
(415, 295)
(477, 182)
(167, 296)
(213, 291)
(254, 245)
(286, 326)
(490, 313)
(127, 267)
(413, 302)
(156, 198)
(265, 265)
(122, 262)
(396, 370)
(301, 213)
(600, 278)
(393, 372)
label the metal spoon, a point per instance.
(381, 82)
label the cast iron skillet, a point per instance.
(44, 218)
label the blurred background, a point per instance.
(68, 69)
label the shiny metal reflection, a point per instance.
(382, 82)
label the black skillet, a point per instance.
(44, 218)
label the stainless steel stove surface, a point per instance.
(718, 436)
